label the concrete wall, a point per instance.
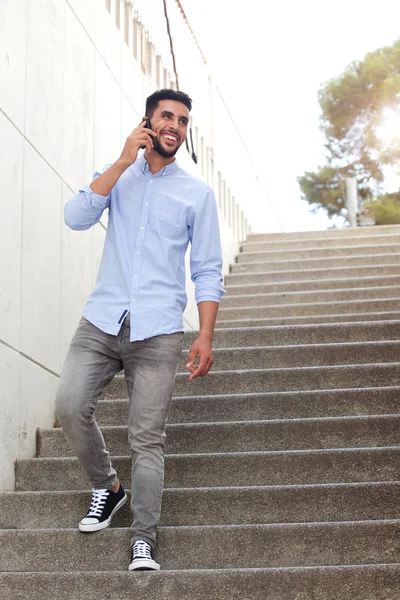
(71, 90)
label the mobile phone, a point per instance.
(148, 126)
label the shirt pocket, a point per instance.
(168, 219)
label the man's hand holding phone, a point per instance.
(141, 137)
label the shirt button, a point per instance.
(133, 300)
(137, 251)
(142, 228)
(135, 276)
(146, 203)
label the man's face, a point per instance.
(170, 122)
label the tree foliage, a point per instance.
(385, 211)
(323, 188)
(352, 106)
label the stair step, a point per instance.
(308, 320)
(269, 357)
(285, 276)
(277, 380)
(343, 251)
(321, 242)
(278, 405)
(248, 436)
(215, 506)
(301, 334)
(364, 582)
(228, 469)
(350, 232)
(206, 547)
(317, 263)
(310, 285)
(307, 297)
(311, 309)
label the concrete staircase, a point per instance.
(282, 467)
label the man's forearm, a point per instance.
(207, 316)
(103, 184)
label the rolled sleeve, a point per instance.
(84, 209)
(206, 253)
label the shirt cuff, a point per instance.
(96, 200)
(208, 297)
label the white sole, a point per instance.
(99, 526)
(144, 565)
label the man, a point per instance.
(133, 318)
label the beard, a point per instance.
(162, 151)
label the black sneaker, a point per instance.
(103, 506)
(142, 557)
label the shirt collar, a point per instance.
(167, 170)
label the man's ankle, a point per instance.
(115, 488)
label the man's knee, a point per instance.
(69, 407)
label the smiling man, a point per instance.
(133, 320)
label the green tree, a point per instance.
(352, 106)
(385, 211)
(323, 189)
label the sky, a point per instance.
(280, 53)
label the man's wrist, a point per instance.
(122, 165)
(206, 333)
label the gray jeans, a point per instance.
(94, 357)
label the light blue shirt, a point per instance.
(151, 220)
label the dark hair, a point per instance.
(166, 94)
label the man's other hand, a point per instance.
(201, 349)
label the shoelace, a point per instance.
(141, 550)
(99, 498)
